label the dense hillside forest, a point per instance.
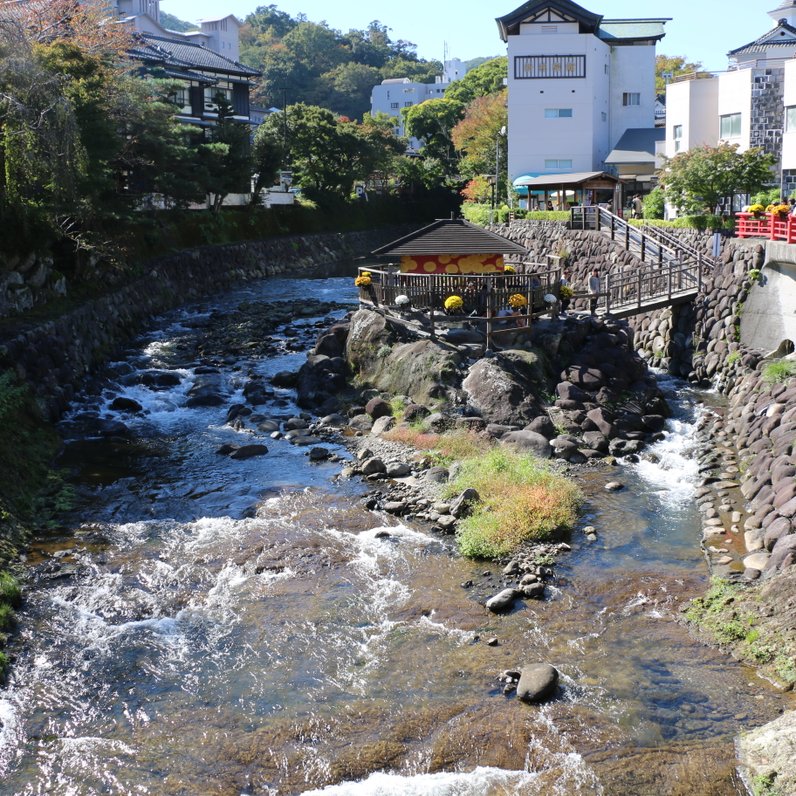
(309, 62)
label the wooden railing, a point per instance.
(675, 270)
(626, 294)
(484, 298)
(771, 226)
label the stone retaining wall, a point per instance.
(53, 356)
(701, 341)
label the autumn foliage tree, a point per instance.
(478, 137)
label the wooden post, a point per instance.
(640, 287)
(607, 294)
(670, 281)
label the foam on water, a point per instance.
(670, 466)
(482, 781)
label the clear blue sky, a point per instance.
(701, 30)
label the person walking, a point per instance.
(594, 290)
(638, 207)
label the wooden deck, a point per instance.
(484, 297)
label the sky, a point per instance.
(700, 30)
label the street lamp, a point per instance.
(492, 180)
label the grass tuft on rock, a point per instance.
(779, 371)
(444, 448)
(522, 500)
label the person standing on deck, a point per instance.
(594, 290)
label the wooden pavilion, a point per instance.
(451, 259)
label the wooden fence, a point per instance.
(485, 298)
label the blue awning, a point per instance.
(522, 190)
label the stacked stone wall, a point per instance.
(53, 356)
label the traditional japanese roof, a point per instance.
(783, 35)
(547, 11)
(551, 12)
(450, 236)
(193, 56)
(637, 145)
(559, 180)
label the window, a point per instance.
(631, 98)
(677, 135)
(393, 104)
(558, 163)
(730, 126)
(604, 116)
(212, 95)
(534, 67)
(790, 119)
(558, 113)
(182, 99)
(408, 104)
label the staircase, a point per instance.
(672, 272)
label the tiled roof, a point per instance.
(783, 35)
(186, 53)
(637, 145)
(509, 24)
(452, 236)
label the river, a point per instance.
(200, 625)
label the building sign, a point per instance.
(535, 67)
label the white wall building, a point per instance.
(752, 104)
(391, 95)
(577, 83)
(219, 34)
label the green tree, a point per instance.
(327, 153)
(433, 122)
(696, 180)
(488, 78)
(349, 88)
(669, 66)
(318, 47)
(268, 156)
(159, 156)
(226, 159)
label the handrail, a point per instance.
(677, 271)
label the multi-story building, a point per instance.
(751, 104)
(394, 94)
(203, 61)
(577, 83)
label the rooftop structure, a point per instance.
(577, 82)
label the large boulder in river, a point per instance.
(503, 390)
(318, 379)
(538, 682)
(377, 355)
(528, 442)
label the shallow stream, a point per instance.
(202, 625)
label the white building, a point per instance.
(219, 34)
(394, 94)
(577, 83)
(752, 104)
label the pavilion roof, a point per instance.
(450, 236)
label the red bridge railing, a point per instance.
(772, 226)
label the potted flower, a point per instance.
(517, 301)
(756, 209)
(363, 280)
(454, 305)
